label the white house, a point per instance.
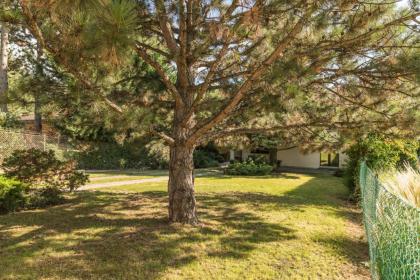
(292, 157)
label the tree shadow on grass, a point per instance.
(320, 192)
(123, 236)
(353, 249)
(246, 229)
(104, 235)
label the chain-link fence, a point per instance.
(393, 231)
(11, 140)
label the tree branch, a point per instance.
(181, 60)
(207, 81)
(166, 28)
(37, 33)
(156, 50)
(165, 79)
(246, 86)
(273, 129)
(169, 140)
(356, 103)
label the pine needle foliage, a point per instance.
(194, 71)
(307, 70)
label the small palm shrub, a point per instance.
(249, 168)
(404, 183)
(12, 194)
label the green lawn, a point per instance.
(120, 178)
(129, 173)
(286, 227)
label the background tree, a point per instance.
(8, 19)
(22, 75)
(4, 58)
(304, 69)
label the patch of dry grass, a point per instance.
(404, 183)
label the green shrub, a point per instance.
(207, 156)
(42, 169)
(380, 154)
(249, 168)
(12, 194)
(129, 155)
(43, 197)
(10, 120)
(259, 159)
(204, 159)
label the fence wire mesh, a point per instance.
(11, 140)
(393, 231)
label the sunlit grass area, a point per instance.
(117, 178)
(128, 173)
(285, 227)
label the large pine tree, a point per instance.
(299, 68)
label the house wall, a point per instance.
(245, 154)
(343, 160)
(293, 157)
(231, 155)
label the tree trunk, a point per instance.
(37, 113)
(37, 92)
(182, 208)
(4, 83)
(182, 205)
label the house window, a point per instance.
(260, 151)
(330, 160)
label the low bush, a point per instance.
(204, 159)
(380, 154)
(129, 155)
(10, 121)
(43, 197)
(208, 156)
(43, 170)
(249, 168)
(12, 194)
(258, 158)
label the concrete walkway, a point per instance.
(93, 179)
(132, 181)
(123, 183)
